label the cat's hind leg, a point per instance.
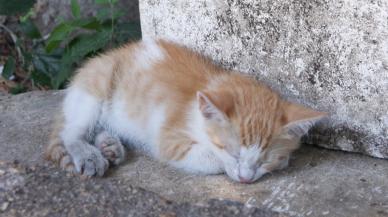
(55, 150)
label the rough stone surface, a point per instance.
(331, 55)
(44, 191)
(318, 182)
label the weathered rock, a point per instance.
(43, 191)
(25, 121)
(318, 182)
(331, 55)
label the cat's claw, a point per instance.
(67, 164)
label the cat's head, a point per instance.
(249, 125)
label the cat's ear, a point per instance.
(212, 106)
(298, 119)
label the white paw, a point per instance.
(91, 163)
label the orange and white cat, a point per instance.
(180, 108)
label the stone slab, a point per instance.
(43, 191)
(319, 182)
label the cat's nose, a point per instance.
(245, 174)
(245, 180)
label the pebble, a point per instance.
(4, 206)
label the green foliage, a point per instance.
(18, 89)
(29, 29)
(59, 33)
(52, 61)
(12, 7)
(81, 47)
(75, 9)
(9, 68)
(106, 1)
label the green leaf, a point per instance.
(63, 30)
(13, 7)
(129, 31)
(86, 44)
(118, 13)
(9, 68)
(102, 1)
(75, 9)
(81, 47)
(62, 77)
(29, 28)
(92, 25)
(18, 89)
(103, 14)
(86, 23)
(58, 35)
(48, 64)
(27, 59)
(27, 16)
(41, 78)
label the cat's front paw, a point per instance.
(91, 163)
(111, 148)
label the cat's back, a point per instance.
(145, 86)
(143, 66)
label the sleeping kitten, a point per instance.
(180, 108)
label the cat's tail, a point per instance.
(55, 150)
